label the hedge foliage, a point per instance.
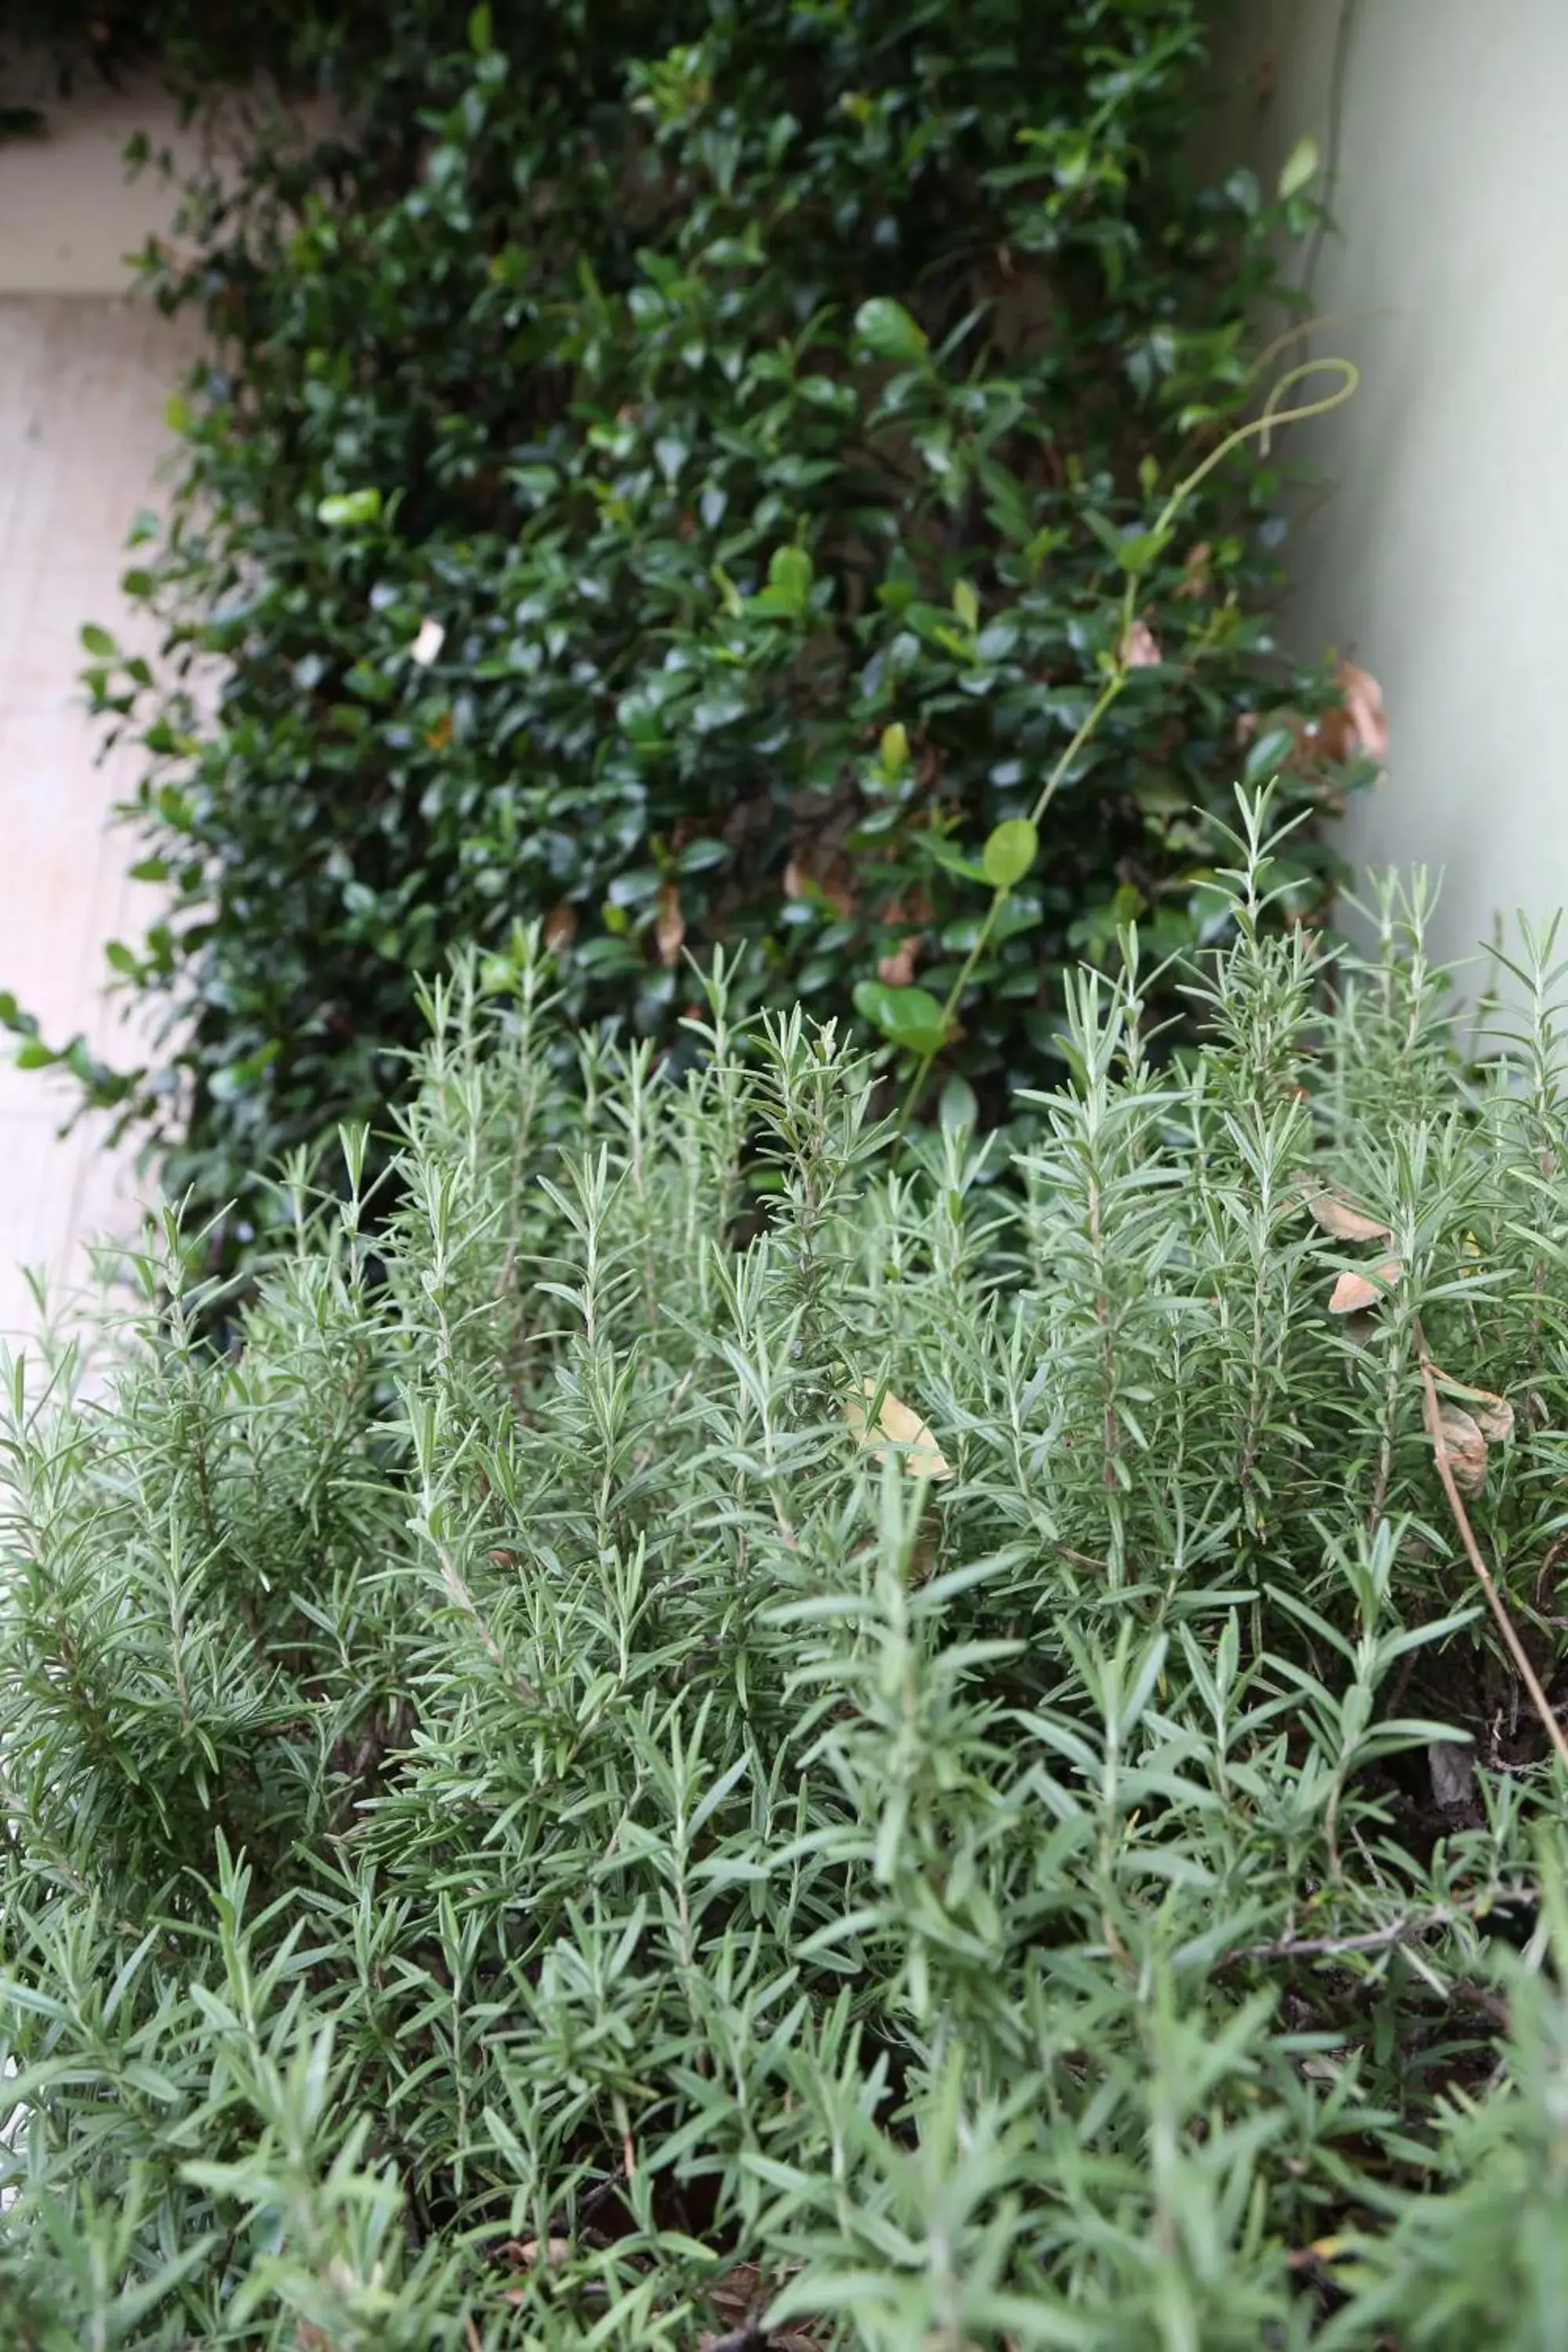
(935, 1775)
(686, 473)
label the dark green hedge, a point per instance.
(761, 417)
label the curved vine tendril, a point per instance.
(1271, 418)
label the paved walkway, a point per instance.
(82, 384)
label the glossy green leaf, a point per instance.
(1300, 167)
(909, 1017)
(349, 510)
(1273, 748)
(790, 577)
(1010, 851)
(895, 748)
(888, 330)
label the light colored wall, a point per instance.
(1441, 561)
(83, 378)
(68, 215)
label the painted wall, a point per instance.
(69, 216)
(83, 378)
(1440, 563)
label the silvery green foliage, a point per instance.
(525, 1829)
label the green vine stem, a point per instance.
(1271, 417)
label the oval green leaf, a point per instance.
(1273, 748)
(1010, 852)
(1299, 166)
(909, 1017)
(886, 329)
(349, 510)
(790, 574)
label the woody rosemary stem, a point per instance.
(1433, 1416)
(1262, 426)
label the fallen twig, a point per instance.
(1385, 1938)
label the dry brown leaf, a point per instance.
(1465, 1447)
(739, 2298)
(1492, 1414)
(1495, 1419)
(1141, 647)
(1195, 579)
(1353, 1291)
(669, 927)
(832, 886)
(1340, 1217)
(560, 927)
(555, 2250)
(526, 2253)
(1362, 698)
(737, 2292)
(1453, 1771)
(899, 969)
(901, 1427)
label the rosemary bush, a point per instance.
(926, 1769)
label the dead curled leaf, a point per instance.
(901, 1427)
(528, 2254)
(525, 2252)
(1355, 724)
(669, 925)
(739, 2299)
(831, 885)
(899, 969)
(1495, 1420)
(1452, 1767)
(1464, 1446)
(1353, 1291)
(1195, 579)
(1362, 700)
(1492, 1414)
(1340, 1216)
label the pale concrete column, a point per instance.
(1440, 559)
(84, 375)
